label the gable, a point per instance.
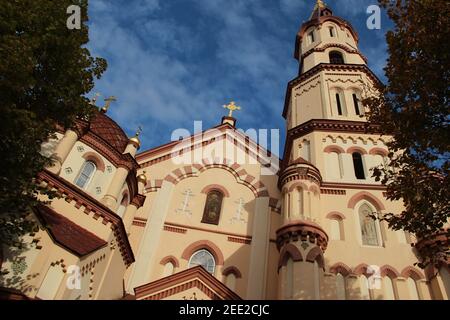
(190, 284)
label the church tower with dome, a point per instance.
(216, 216)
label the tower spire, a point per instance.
(318, 10)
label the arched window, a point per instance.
(331, 29)
(388, 287)
(311, 37)
(336, 57)
(86, 174)
(340, 287)
(358, 166)
(336, 229)
(357, 105)
(369, 226)
(168, 269)
(333, 165)
(203, 258)
(213, 207)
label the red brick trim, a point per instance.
(379, 151)
(361, 269)
(336, 192)
(333, 45)
(95, 158)
(92, 207)
(341, 268)
(316, 254)
(232, 270)
(303, 231)
(411, 272)
(170, 259)
(240, 240)
(212, 187)
(356, 186)
(207, 245)
(174, 229)
(334, 215)
(364, 195)
(289, 251)
(235, 235)
(389, 271)
(352, 150)
(336, 149)
(190, 278)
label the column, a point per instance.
(112, 195)
(150, 239)
(259, 250)
(62, 150)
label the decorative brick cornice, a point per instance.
(325, 126)
(333, 45)
(326, 67)
(302, 231)
(91, 206)
(299, 171)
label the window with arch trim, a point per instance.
(203, 258)
(213, 207)
(370, 228)
(358, 166)
(336, 57)
(336, 229)
(311, 37)
(168, 269)
(413, 289)
(86, 173)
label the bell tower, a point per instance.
(333, 74)
(325, 96)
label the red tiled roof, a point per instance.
(68, 234)
(107, 129)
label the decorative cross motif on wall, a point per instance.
(238, 216)
(184, 210)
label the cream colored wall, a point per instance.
(75, 162)
(322, 37)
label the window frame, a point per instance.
(379, 235)
(210, 254)
(80, 173)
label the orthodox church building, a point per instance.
(217, 216)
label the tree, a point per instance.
(414, 108)
(45, 73)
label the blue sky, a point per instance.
(172, 62)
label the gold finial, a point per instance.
(135, 140)
(94, 99)
(232, 107)
(108, 103)
(320, 4)
(142, 178)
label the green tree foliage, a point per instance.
(414, 108)
(45, 73)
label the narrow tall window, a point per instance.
(203, 258)
(168, 269)
(336, 57)
(412, 288)
(356, 104)
(339, 104)
(331, 31)
(364, 286)
(335, 228)
(369, 229)
(85, 175)
(358, 166)
(311, 37)
(213, 207)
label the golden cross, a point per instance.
(232, 107)
(320, 4)
(138, 132)
(108, 103)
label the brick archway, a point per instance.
(364, 195)
(241, 175)
(207, 245)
